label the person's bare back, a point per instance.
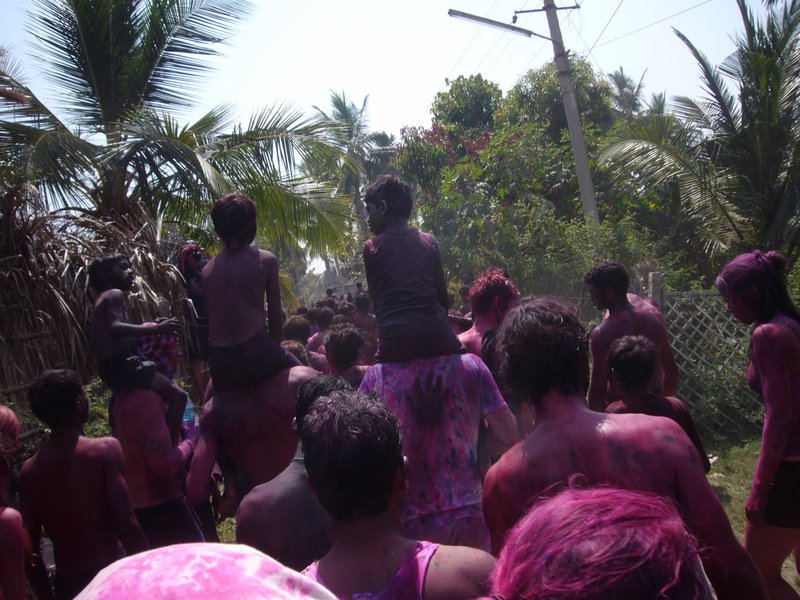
(235, 282)
(638, 318)
(284, 519)
(66, 485)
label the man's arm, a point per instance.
(12, 549)
(274, 312)
(34, 566)
(728, 566)
(496, 506)
(599, 379)
(128, 529)
(503, 424)
(164, 459)
(670, 369)
(115, 312)
(203, 461)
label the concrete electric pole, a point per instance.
(573, 116)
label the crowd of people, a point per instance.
(385, 446)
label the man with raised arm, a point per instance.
(544, 351)
(75, 488)
(627, 314)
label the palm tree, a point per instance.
(125, 69)
(363, 151)
(733, 156)
(627, 93)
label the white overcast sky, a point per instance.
(401, 53)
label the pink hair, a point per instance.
(599, 544)
(765, 271)
(491, 284)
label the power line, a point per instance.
(652, 24)
(606, 25)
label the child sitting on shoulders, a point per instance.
(406, 279)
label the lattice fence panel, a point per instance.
(711, 349)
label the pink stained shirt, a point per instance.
(440, 403)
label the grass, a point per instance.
(731, 477)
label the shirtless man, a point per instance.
(545, 356)
(491, 296)
(113, 338)
(154, 467)
(368, 323)
(355, 464)
(627, 314)
(242, 350)
(254, 427)
(283, 518)
(75, 487)
(255, 380)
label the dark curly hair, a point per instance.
(343, 344)
(234, 218)
(52, 395)
(633, 358)
(608, 274)
(394, 192)
(100, 271)
(352, 452)
(542, 345)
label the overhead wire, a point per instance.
(651, 24)
(611, 18)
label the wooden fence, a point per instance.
(711, 349)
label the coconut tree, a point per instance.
(125, 71)
(363, 150)
(627, 93)
(733, 156)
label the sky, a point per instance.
(401, 54)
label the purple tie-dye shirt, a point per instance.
(439, 402)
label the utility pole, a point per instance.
(567, 93)
(573, 116)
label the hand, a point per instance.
(191, 432)
(754, 508)
(171, 325)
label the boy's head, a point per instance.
(313, 389)
(633, 361)
(234, 218)
(9, 439)
(387, 198)
(324, 317)
(109, 272)
(297, 328)
(343, 345)
(56, 395)
(607, 282)
(351, 445)
(493, 292)
(542, 346)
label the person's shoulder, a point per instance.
(771, 335)
(458, 571)
(105, 448)
(10, 524)
(618, 407)
(266, 255)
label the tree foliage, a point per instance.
(733, 155)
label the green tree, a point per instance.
(364, 153)
(627, 93)
(124, 69)
(733, 156)
(536, 98)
